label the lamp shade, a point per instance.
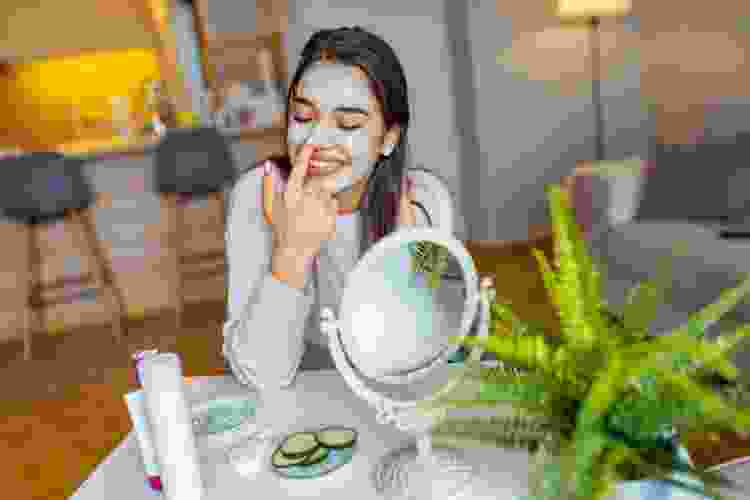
(591, 8)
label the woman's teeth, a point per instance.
(323, 165)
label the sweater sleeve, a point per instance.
(266, 319)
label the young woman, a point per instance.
(297, 224)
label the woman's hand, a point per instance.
(304, 216)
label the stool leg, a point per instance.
(174, 243)
(35, 307)
(102, 273)
(220, 198)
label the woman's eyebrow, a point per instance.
(349, 109)
(340, 109)
(303, 101)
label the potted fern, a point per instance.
(604, 401)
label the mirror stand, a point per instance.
(414, 471)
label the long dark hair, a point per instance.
(379, 206)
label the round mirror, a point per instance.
(402, 302)
(405, 298)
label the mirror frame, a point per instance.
(340, 341)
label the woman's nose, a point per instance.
(323, 136)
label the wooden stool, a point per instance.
(191, 163)
(46, 188)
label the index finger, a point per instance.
(299, 170)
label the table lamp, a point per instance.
(590, 12)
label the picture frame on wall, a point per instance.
(246, 82)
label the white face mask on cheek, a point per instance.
(334, 86)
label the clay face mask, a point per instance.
(334, 87)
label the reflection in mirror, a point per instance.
(420, 293)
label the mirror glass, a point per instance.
(402, 303)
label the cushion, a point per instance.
(194, 161)
(692, 180)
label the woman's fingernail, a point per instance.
(267, 167)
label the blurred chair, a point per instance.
(191, 163)
(39, 189)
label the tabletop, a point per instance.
(121, 474)
(316, 398)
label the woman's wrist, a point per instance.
(290, 267)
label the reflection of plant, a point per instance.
(429, 259)
(598, 403)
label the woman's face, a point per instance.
(333, 107)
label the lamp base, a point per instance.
(400, 475)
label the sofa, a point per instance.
(629, 244)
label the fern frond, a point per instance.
(478, 440)
(737, 394)
(547, 478)
(728, 300)
(729, 342)
(531, 351)
(640, 306)
(516, 432)
(589, 445)
(535, 353)
(670, 349)
(501, 311)
(644, 298)
(572, 295)
(590, 278)
(715, 409)
(549, 278)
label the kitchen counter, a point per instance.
(102, 148)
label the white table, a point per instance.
(316, 398)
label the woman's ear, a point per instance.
(391, 139)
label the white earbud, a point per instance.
(388, 149)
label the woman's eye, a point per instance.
(350, 127)
(301, 118)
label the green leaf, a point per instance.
(513, 432)
(729, 343)
(549, 277)
(547, 478)
(590, 446)
(644, 298)
(571, 288)
(665, 349)
(603, 392)
(728, 300)
(529, 350)
(501, 311)
(715, 408)
(641, 306)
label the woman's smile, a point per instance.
(324, 164)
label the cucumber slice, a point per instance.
(300, 444)
(336, 437)
(316, 457)
(279, 460)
